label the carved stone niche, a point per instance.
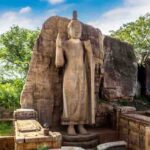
(43, 88)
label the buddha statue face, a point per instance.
(74, 29)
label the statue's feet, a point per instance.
(82, 130)
(71, 130)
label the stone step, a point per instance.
(84, 144)
(80, 138)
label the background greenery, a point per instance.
(6, 128)
(16, 48)
(137, 34)
(15, 53)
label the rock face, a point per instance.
(43, 88)
(147, 78)
(120, 67)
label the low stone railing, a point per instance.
(134, 128)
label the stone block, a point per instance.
(118, 145)
(23, 114)
(136, 130)
(29, 134)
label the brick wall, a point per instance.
(135, 130)
(6, 143)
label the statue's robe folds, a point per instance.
(43, 89)
(78, 81)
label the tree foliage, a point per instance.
(10, 92)
(15, 53)
(137, 34)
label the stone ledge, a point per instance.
(120, 145)
(80, 138)
(70, 148)
(24, 114)
(89, 144)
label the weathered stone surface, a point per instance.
(135, 130)
(147, 76)
(107, 135)
(118, 145)
(80, 138)
(90, 144)
(29, 134)
(120, 67)
(24, 114)
(125, 109)
(43, 88)
(104, 115)
(28, 126)
(118, 111)
(76, 58)
(71, 148)
(7, 143)
(90, 140)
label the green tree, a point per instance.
(15, 53)
(137, 34)
(10, 92)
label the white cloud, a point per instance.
(25, 10)
(28, 21)
(15, 18)
(116, 17)
(53, 2)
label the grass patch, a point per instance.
(6, 128)
(42, 148)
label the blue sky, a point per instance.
(104, 14)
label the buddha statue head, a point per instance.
(74, 27)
